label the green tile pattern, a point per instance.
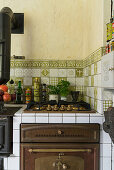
(45, 73)
(79, 72)
(95, 104)
(89, 70)
(18, 79)
(62, 78)
(53, 81)
(71, 64)
(62, 64)
(107, 104)
(53, 64)
(95, 68)
(95, 93)
(71, 70)
(92, 81)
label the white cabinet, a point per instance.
(107, 73)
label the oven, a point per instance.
(59, 146)
(6, 136)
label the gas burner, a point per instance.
(68, 106)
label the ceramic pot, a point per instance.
(53, 97)
(64, 98)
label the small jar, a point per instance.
(28, 95)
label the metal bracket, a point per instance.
(111, 69)
(18, 24)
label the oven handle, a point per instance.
(59, 150)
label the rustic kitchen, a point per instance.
(56, 85)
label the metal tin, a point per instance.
(109, 31)
(113, 30)
(36, 98)
(28, 95)
(37, 89)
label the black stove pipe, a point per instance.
(6, 22)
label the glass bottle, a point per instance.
(12, 90)
(19, 93)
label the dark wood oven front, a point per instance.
(59, 146)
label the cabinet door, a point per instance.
(107, 76)
(36, 158)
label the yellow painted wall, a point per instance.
(58, 29)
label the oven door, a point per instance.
(59, 156)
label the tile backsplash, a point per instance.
(83, 75)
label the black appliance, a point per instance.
(6, 136)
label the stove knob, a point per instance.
(60, 132)
(65, 166)
(54, 164)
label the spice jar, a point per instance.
(28, 95)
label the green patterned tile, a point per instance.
(12, 64)
(95, 92)
(18, 79)
(79, 63)
(95, 68)
(62, 78)
(53, 81)
(26, 87)
(89, 70)
(85, 91)
(89, 60)
(92, 81)
(72, 88)
(53, 64)
(71, 64)
(79, 72)
(62, 63)
(95, 104)
(92, 58)
(70, 72)
(45, 80)
(80, 88)
(86, 81)
(84, 63)
(44, 64)
(23, 64)
(36, 64)
(90, 101)
(99, 54)
(45, 73)
(107, 104)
